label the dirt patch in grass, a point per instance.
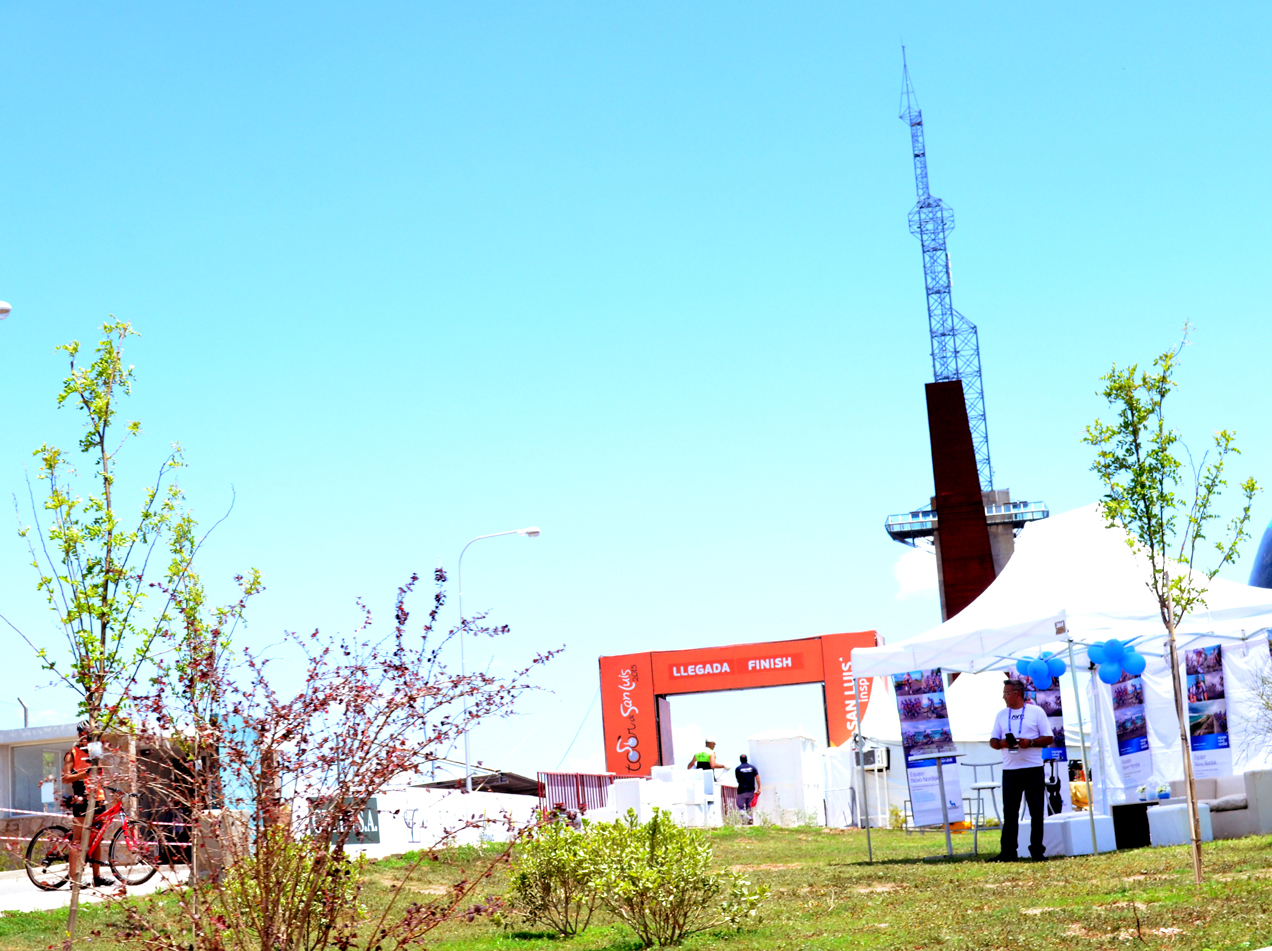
(766, 867)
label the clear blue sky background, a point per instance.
(638, 274)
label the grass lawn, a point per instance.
(825, 895)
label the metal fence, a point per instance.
(574, 791)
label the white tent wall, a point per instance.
(1106, 770)
(1246, 667)
(1163, 726)
(791, 778)
(839, 787)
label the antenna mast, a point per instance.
(955, 347)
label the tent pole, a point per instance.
(1086, 761)
(859, 744)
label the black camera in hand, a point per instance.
(1012, 743)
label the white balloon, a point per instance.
(4, 309)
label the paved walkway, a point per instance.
(18, 894)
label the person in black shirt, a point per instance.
(748, 787)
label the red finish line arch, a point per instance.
(636, 714)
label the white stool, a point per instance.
(980, 789)
(978, 817)
(1168, 825)
(976, 768)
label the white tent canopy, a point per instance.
(1069, 568)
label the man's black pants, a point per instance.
(1029, 783)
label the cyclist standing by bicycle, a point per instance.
(80, 771)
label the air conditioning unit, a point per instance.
(873, 759)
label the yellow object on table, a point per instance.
(1078, 794)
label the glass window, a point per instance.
(37, 778)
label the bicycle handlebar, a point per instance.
(123, 792)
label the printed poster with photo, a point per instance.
(1132, 730)
(1055, 758)
(925, 728)
(1207, 712)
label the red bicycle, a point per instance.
(135, 853)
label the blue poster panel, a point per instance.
(1207, 712)
(925, 728)
(1132, 730)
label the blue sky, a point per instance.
(638, 274)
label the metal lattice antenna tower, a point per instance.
(955, 348)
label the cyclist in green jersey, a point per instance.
(706, 759)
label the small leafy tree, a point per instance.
(1166, 509)
(554, 881)
(657, 878)
(93, 562)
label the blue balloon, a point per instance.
(1022, 667)
(1095, 654)
(1040, 674)
(1046, 654)
(1113, 649)
(1134, 663)
(1110, 671)
(1056, 667)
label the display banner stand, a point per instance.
(1207, 712)
(935, 799)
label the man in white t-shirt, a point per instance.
(1021, 731)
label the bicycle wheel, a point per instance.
(136, 852)
(48, 858)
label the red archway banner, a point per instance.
(632, 686)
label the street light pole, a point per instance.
(531, 532)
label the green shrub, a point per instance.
(554, 882)
(657, 878)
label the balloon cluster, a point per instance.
(1041, 670)
(1113, 657)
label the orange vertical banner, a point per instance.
(842, 689)
(628, 714)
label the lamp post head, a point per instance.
(531, 532)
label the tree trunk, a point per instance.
(85, 838)
(1185, 737)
